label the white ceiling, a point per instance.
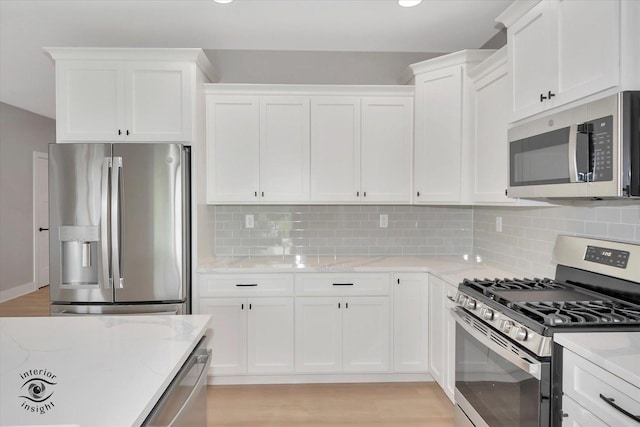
(27, 74)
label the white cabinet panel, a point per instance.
(284, 148)
(270, 335)
(335, 149)
(442, 334)
(450, 344)
(575, 415)
(318, 334)
(410, 322)
(233, 154)
(438, 136)
(366, 334)
(229, 340)
(386, 149)
(90, 100)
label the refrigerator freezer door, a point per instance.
(150, 224)
(78, 218)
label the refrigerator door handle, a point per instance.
(116, 222)
(104, 224)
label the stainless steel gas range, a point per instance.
(508, 370)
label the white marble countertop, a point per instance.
(617, 352)
(452, 269)
(104, 370)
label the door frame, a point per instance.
(37, 155)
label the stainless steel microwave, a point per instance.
(589, 151)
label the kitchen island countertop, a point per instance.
(90, 371)
(452, 269)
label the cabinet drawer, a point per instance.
(577, 416)
(336, 284)
(246, 285)
(586, 382)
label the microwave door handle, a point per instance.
(116, 220)
(104, 224)
(573, 153)
(533, 369)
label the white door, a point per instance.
(90, 101)
(41, 209)
(533, 58)
(437, 339)
(318, 334)
(366, 338)
(158, 101)
(270, 335)
(385, 154)
(229, 340)
(233, 149)
(410, 323)
(284, 149)
(438, 136)
(335, 149)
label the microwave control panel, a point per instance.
(602, 143)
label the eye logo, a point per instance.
(36, 391)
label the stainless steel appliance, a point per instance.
(590, 151)
(119, 218)
(184, 403)
(508, 370)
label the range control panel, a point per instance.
(606, 256)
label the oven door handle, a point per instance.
(534, 369)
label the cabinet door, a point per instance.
(533, 59)
(158, 101)
(90, 101)
(270, 335)
(335, 149)
(366, 339)
(410, 323)
(284, 148)
(450, 344)
(437, 338)
(490, 146)
(229, 340)
(385, 155)
(233, 141)
(438, 136)
(318, 334)
(587, 56)
(574, 415)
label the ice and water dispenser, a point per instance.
(79, 255)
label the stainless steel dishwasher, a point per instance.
(184, 403)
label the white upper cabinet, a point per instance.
(318, 144)
(443, 127)
(115, 95)
(562, 51)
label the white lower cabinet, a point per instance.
(442, 334)
(342, 334)
(250, 335)
(410, 322)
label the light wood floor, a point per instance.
(358, 405)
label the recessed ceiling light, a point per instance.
(409, 3)
(229, 1)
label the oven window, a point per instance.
(541, 159)
(501, 393)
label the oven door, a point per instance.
(496, 387)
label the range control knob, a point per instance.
(460, 299)
(487, 314)
(471, 304)
(521, 334)
(505, 326)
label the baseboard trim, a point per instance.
(317, 378)
(17, 291)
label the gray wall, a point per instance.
(21, 133)
(497, 41)
(305, 67)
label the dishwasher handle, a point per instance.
(165, 413)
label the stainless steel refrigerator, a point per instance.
(120, 228)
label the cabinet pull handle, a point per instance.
(255, 194)
(43, 229)
(346, 305)
(357, 193)
(249, 306)
(343, 284)
(364, 194)
(418, 194)
(450, 298)
(398, 281)
(127, 131)
(242, 307)
(119, 132)
(551, 95)
(338, 305)
(262, 194)
(246, 284)
(542, 97)
(610, 401)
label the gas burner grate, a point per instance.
(580, 312)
